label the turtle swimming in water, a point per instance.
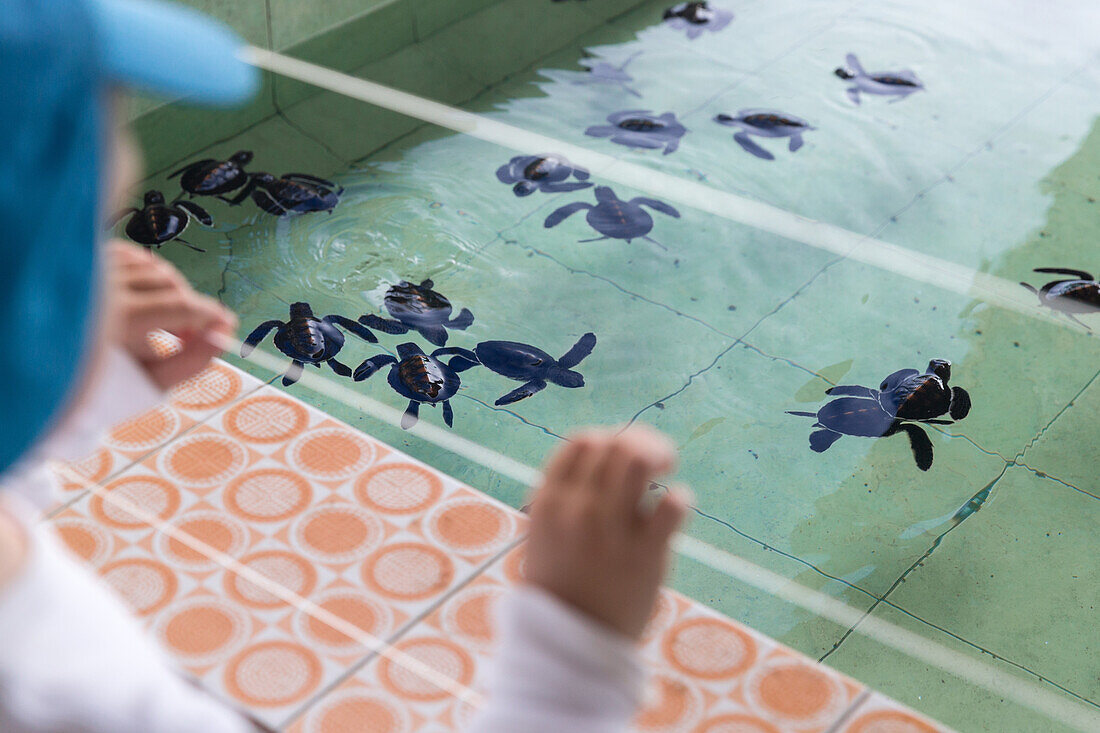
(531, 365)
(765, 123)
(307, 339)
(421, 378)
(158, 222)
(547, 173)
(640, 128)
(294, 193)
(903, 399)
(418, 308)
(210, 177)
(1079, 294)
(601, 72)
(697, 17)
(614, 218)
(896, 84)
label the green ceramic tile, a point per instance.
(1059, 452)
(293, 22)
(938, 694)
(247, 17)
(986, 568)
(433, 15)
(604, 10)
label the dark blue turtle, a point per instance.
(307, 339)
(530, 365)
(547, 173)
(1080, 294)
(421, 378)
(896, 84)
(158, 222)
(614, 218)
(210, 177)
(765, 123)
(294, 193)
(601, 72)
(697, 17)
(419, 308)
(864, 417)
(640, 128)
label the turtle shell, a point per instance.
(426, 379)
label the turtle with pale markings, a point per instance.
(423, 379)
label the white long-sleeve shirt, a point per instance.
(72, 658)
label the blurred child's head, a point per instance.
(65, 163)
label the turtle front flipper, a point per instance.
(656, 205)
(853, 95)
(795, 143)
(201, 215)
(853, 390)
(258, 334)
(462, 321)
(579, 352)
(394, 328)
(185, 243)
(559, 215)
(435, 334)
(822, 440)
(352, 327)
(412, 414)
(920, 443)
(960, 403)
(305, 177)
(342, 369)
(750, 145)
(564, 187)
(244, 192)
(294, 373)
(522, 392)
(448, 414)
(463, 358)
(371, 366)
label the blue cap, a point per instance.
(56, 59)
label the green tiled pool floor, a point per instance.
(993, 167)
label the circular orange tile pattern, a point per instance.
(469, 615)
(145, 431)
(273, 674)
(709, 648)
(445, 657)
(398, 488)
(214, 529)
(150, 493)
(92, 470)
(265, 419)
(890, 721)
(663, 611)
(469, 525)
(267, 495)
(204, 460)
(736, 723)
(357, 710)
(353, 606)
(203, 630)
(408, 571)
(331, 454)
(87, 539)
(338, 533)
(145, 585)
(213, 387)
(670, 705)
(792, 690)
(283, 568)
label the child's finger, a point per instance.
(642, 454)
(668, 516)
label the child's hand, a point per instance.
(591, 545)
(146, 293)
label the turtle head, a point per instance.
(941, 368)
(525, 188)
(844, 73)
(242, 157)
(300, 310)
(263, 177)
(153, 198)
(725, 119)
(604, 193)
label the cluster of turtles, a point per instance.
(420, 377)
(158, 222)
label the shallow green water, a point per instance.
(993, 166)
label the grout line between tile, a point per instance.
(847, 715)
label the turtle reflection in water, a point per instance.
(904, 398)
(697, 17)
(1078, 292)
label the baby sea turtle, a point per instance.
(640, 128)
(865, 418)
(307, 339)
(421, 378)
(531, 365)
(614, 218)
(209, 177)
(896, 84)
(547, 173)
(697, 17)
(419, 308)
(765, 123)
(294, 193)
(1080, 294)
(601, 72)
(157, 222)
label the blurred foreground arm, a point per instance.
(595, 562)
